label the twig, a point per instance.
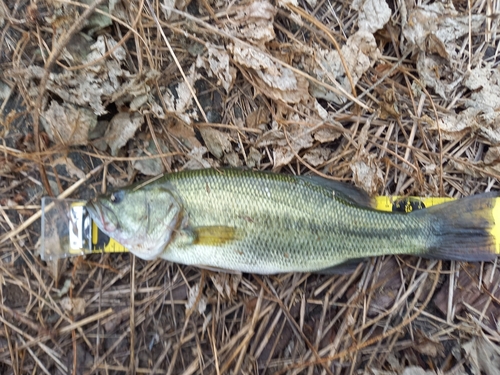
(37, 216)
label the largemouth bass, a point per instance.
(266, 223)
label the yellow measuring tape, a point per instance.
(407, 204)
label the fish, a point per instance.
(237, 220)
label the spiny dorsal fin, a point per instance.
(348, 192)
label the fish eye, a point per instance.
(117, 196)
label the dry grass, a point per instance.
(388, 315)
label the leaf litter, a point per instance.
(405, 102)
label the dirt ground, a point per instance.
(395, 97)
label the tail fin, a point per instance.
(466, 230)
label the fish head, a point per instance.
(142, 220)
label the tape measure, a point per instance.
(87, 237)
(407, 204)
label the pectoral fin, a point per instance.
(215, 235)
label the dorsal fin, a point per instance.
(347, 192)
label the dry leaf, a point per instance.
(96, 84)
(253, 158)
(258, 117)
(326, 134)
(179, 99)
(217, 142)
(360, 53)
(484, 356)
(384, 296)
(70, 167)
(438, 75)
(481, 115)
(367, 175)
(75, 306)
(411, 370)
(441, 21)
(274, 80)
(122, 127)
(466, 292)
(372, 14)
(427, 346)
(233, 159)
(299, 138)
(152, 167)
(68, 124)
(196, 300)
(218, 66)
(184, 133)
(2, 16)
(197, 159)
(254, 23)
(317, 156)
(168, 5)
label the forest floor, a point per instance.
(396, 98)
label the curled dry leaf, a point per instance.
(360, 53)
(184, 134)
(217, 142)
(388, 282)
(427, 345)
(179, 100)
(411, 370)
(253, 158)
(218, 66)
(102, 81)
(70, 167)
(299, 137)
(75, 306)
(68, 124)
(197, 159)
(481, 115)
(484, 356)
(233, 159)
(436, 74)
(367, 175)
(440, 21)
(196, 300)
(168, 5)
(153, 166)
(254, 22)
(317, 156)
(467, 293)
(372, 14)
(275, 81)
(260, 116)
(122, 127)
(326, 134)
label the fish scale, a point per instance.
(287, 224)
(266, 223)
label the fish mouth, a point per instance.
(97, 212)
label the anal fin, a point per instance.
(346, 267)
